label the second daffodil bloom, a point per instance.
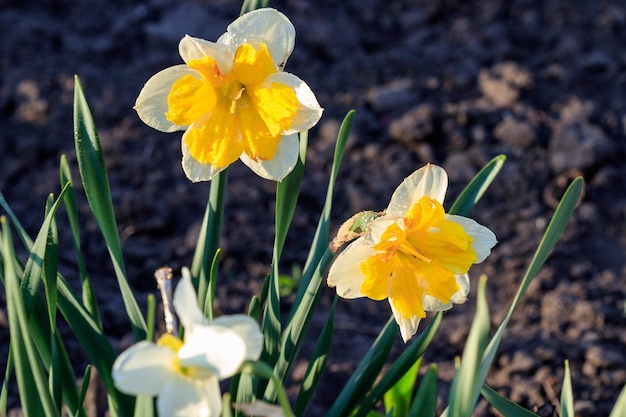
(185, 374)
(415, 254)
(234, 100)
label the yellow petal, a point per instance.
(405, 289)
(258, 141)
(251, 65)
(215, 140)
(377, 273)
(277, 105)
(190, 98)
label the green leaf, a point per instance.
(89, 333)
(505, 406)
(250, 5)
(287, 193)
(366, 373)
(84, 386)
(425, 402)
(4, 395)
(554, 231)
(209, 238)
(319, 246)
(34, 395)
(317, 363)
(461, 401)
(263, 370)
(619, 409)
(97, 190)
(296, 328)
(477, 186)
(410, 356)
(398, 399)
(567, 395)
(69, 200)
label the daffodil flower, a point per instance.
(234, 100)
(415, 255)
(185, 374)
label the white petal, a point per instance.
(215, 349)
(186, 303)
(460, 296)
(248, 329)
(409, 326)
(430, 180)
(195, 48)
(263, 25)
(431, 303)
(184, 397)
(197, 171)
(345, 272)
(484, 239)
(144, 369)
(151, 105)
(283, 163)
(309, 111)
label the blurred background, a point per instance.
(449, 82)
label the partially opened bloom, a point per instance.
(415, 254)
(234, 100)
(185, 374)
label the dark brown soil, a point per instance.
(449, 82)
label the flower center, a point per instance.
(172, 342)
(418, 255)
(234, 112)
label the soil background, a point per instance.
(449, 82)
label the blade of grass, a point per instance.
(366, 373)
(505, 406)
(96, 186)
(320, 240)
(84, 386)
(69, 200)
(317, 363)
(410, 356)
(95, 343)
(397, 399)
(567, 395)
(34, 395)
(551, 236)
(295, 330)
(50, 271)
(209, 238)
(619, 409)
(461, 398)
(4, 393)
(286, 198)
(425, 401)
(477, 186)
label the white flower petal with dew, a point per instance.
(431, 181)
(345, 272)
(186, 303)
(144, 369)
(151, 105)
(263, 25)
(184, 397)
(277, 168)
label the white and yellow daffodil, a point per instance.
(415, 254)
(234, 100)
(185, 374)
